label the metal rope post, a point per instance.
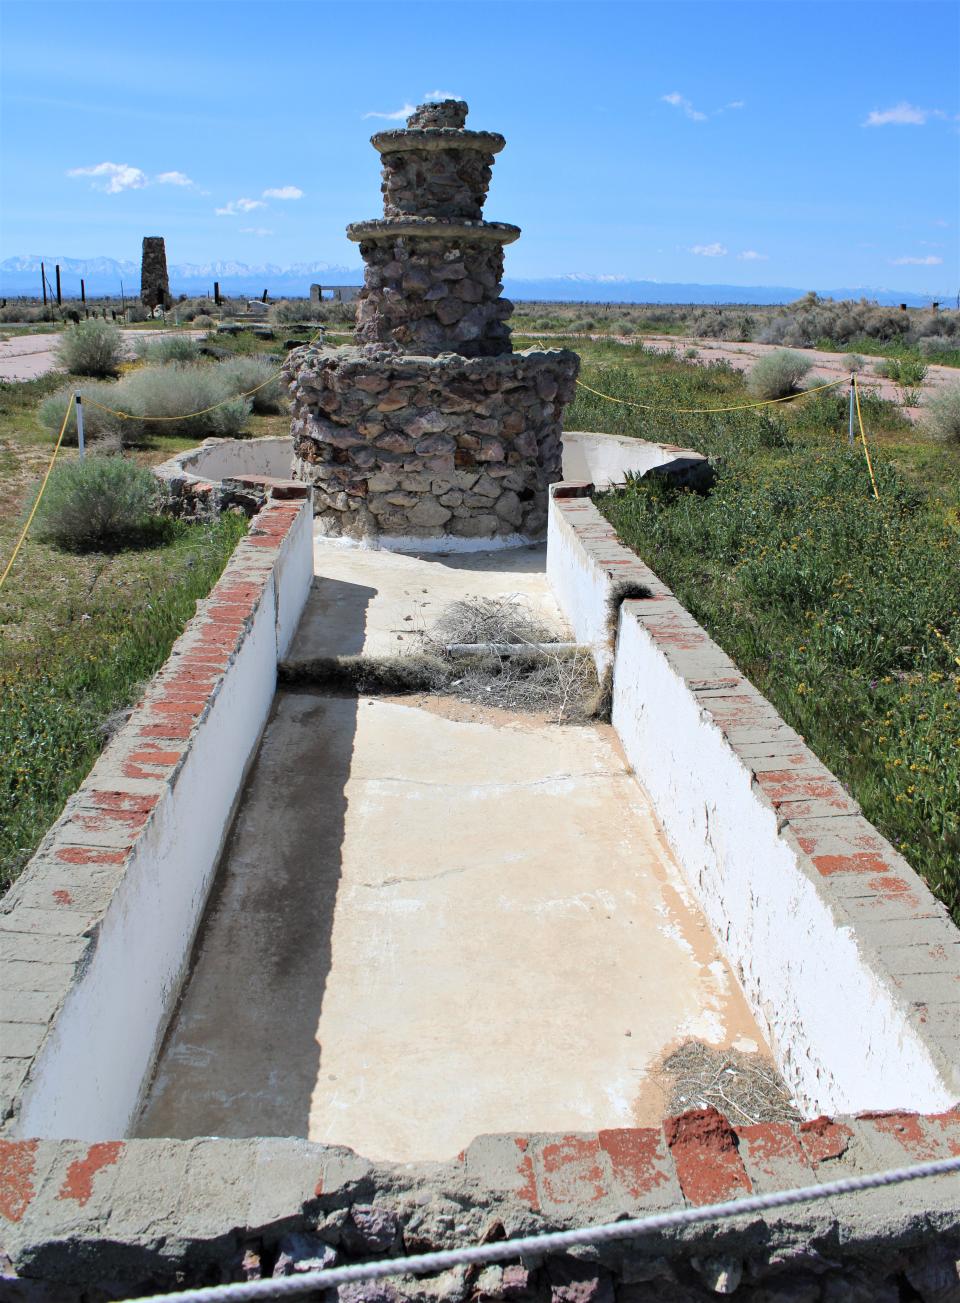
(78, 398)
(850, 428)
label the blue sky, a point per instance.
(773, 143)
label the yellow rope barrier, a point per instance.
(33, 509)
(186, 416)
(863, 437)
(701, 411)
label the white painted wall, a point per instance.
(293, 575)
(271, 456)
(581, 588)
(798, 965)
(87, 1080)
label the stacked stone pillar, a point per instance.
(431, 426)
(154, 281)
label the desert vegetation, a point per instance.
(811, 322)
(195, 396)
(101, 589)
(91, 348)
(841, 608)
(100, 502)
(778, 374)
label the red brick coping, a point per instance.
(66, 1206)
(51, 920)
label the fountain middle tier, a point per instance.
(434, 286)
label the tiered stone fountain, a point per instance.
(431, 427)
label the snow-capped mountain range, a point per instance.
(20, 275)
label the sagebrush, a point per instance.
(255, 371)
(91, 348)
(943, 413)
(100, 502)
(168, 348)
(778, 374)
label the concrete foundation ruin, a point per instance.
(154, 281)
(431, 426)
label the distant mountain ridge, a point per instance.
(20, 275)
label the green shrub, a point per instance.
(18, 310)
(100, 502)
(854, 362)
(168, 348)
(933, 345)
(291, 311)
(97, 424)
(182, 390)
(902, 370)
(778, 374)
(91, 348)
(204, 320)
(249, 372)
(190, 309)
(943, 413)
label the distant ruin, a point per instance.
(154, 281)
(431, 426)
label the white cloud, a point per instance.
(737, 104)
(940, 221)
(174, 178)
(716, 250)
(284, 192)
(255, 230)
(397, 116)
(435, 96)
(901, 115)
(112, 177)
(929, 261)
(751, 255)
(681, 102)
(237, 206)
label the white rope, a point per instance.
(428, 1263)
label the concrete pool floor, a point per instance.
(432, 922)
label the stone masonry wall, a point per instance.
(83, 1223)
(433, 180)
(400, 445)
(431, 296)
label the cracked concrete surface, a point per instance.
(428, 928)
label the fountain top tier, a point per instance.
(434, 167)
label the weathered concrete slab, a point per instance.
(420, 906)
(379, 602)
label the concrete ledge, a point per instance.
(97, 931)
(135, 1216)
(608, 459)
(848, 961)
